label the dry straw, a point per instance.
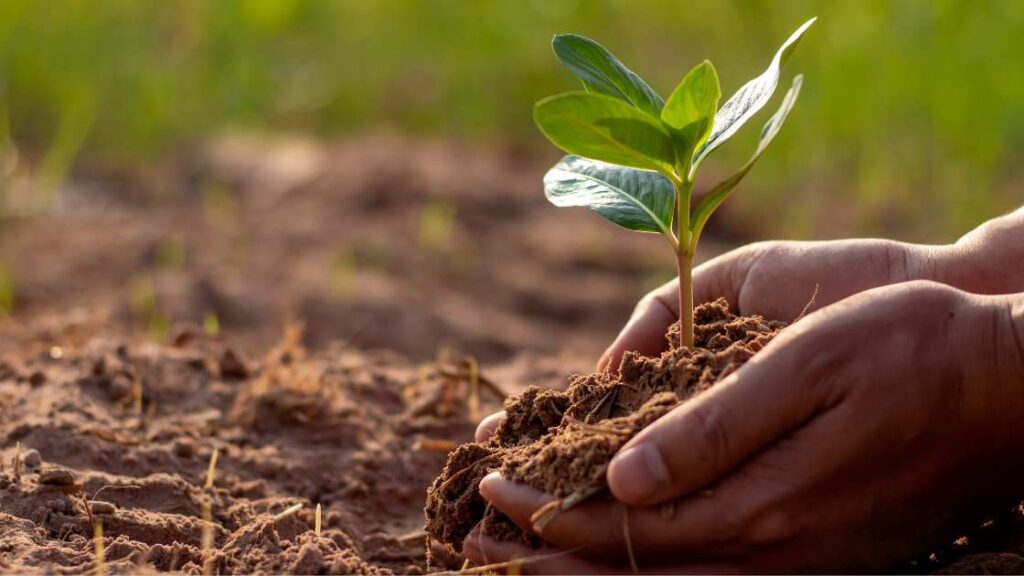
(17, 460)
(207, 537)
(287, 512)
(97, 538)
(211, 471)
(474, 388)
(424, 444)
(137, 398)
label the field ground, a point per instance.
(315, 314)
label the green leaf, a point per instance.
(605, 128)
(720, 192)
(690, 110)
(750, 98)
(603, 73)
(634, 199)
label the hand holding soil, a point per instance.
(865, 434)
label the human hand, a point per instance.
(863, 435)
(778, 280)
(774, 279)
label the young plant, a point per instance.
(633, 156)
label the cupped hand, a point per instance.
(777, 280)
(864, 434)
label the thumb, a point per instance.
(704, 438)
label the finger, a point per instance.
(720, 277)
(504, 556)
(707, 525)
(486, 551)
(702, 439)
(485, 429)
(645, 331)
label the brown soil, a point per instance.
(560, 442)
(124, 435)
(406, 261)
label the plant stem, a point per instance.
(684, 262)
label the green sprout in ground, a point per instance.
(633, 156)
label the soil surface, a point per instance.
(330, 320)
(123, 435)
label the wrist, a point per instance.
(985, 261)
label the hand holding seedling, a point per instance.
(861, 436)
(893, 409)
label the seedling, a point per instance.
(634, 156)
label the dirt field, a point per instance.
(320, 317)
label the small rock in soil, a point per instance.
(233, 366)
(56, 477)
(32, 459)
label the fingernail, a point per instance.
(637, 475)
(486, 483)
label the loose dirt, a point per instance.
(560, 442)
(122, 434)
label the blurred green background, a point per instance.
(911, 122)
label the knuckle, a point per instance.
(645, 303)
(711, 435)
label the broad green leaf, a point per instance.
(690, 110)
(634, 199)
(719, 193)
(605, 128)
(750, 98)
(604, 73)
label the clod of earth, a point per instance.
(561, 442)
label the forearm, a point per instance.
(988, 260)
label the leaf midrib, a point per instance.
(632, 199)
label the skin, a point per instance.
(864, 434)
